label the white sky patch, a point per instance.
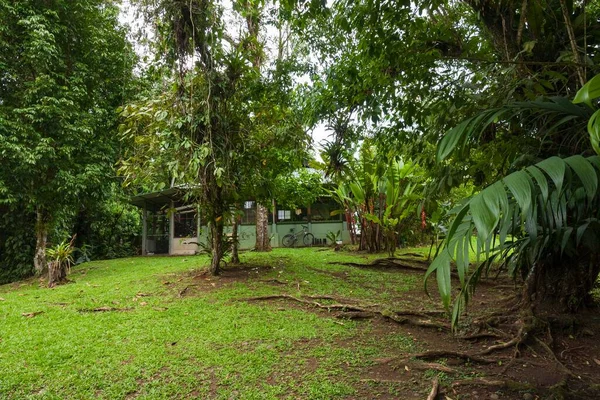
(141, 35)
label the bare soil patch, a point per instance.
(489, 357)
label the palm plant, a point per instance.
(540, 223)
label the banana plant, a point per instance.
(381, 196)
(399, 201)
(540, 223)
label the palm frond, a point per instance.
(548, 115)
(548, 209)
(549, 206)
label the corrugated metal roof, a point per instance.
(157, 200)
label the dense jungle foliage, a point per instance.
(454, 119)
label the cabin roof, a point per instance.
(158, 200)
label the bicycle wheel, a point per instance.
(309, 239)
(288, 240)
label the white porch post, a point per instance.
(144, 230)
(171, 226)
(275, 241)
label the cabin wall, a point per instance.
(181, 232)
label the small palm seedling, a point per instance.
(332, 237)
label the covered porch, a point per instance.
(172, 226)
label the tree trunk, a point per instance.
(562, 285)
(263, 242)
(57, 273)
(235, 243)
(351, 225)
(216, 237)
(41, 232)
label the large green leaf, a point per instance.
(520, 185)
(586, 173)
(485, 210)
(589, 91)
(594, 131)
(540, 180)
(441, 264)
(555, 168)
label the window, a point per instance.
(186, 224)
(284, 215)
(296, 215)
(321, 211)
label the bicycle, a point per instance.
(290, 239)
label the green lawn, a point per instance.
(201, 342)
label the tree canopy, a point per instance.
(65, 67)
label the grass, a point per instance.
(205, 344)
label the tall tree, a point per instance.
(219, 118)
(409, 76)
(64, 69)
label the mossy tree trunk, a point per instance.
(216, 237)
(57, 273)
(41, 232)
(263, 242)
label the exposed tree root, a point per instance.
(387, 263)
(277, 281)
(436, 354)
(502, 383)
(423, 314)
(383, 381)
(352, 311)
(412, 255)
(393, 263)
(516, 341)
(341, 307)
(103, 309)
(355, 315)
(481, 335)
(338, 299)
(416, 364)
(559, 364)
(416, 322)
(434, 390)
(512, 361)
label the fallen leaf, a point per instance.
(406, 368)
(596, 361)
(2, 299)
(143, 303)
(142, 294)
(31, 314)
